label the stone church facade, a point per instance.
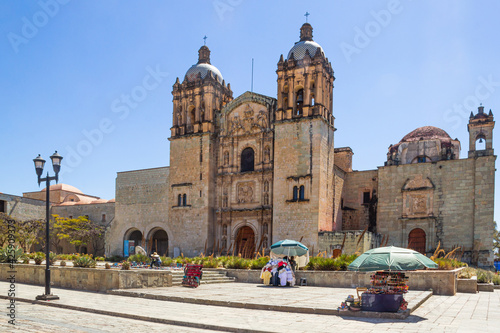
(248, 171)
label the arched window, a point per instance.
(247, 159)
(184, 200)
(299, 100)
(179, 200)
(301, 192)
(295, 193)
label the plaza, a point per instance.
(79, 311)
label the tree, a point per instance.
(25, 233)
(78, 231)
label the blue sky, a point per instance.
(67, 68)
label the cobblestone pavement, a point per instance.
(38, 318)
(462, 313)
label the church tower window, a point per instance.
(247, 159)
(179, 200)
(295, 193)
(299, 102)
(301, 192)
(184, 200)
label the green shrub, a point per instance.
(258, 263)
(496, 280)
(484, 276)
(52, 258)
(449, 264)
(99, 259)
(467, 273)
(11, 254)
(39, 257)
(139, 258)
(238, 263)
(115, 258)
(62, 263)
(209, 262)
(166, 261)
(125, 265)
(26, 260)
(84, 261)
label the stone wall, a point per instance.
(441, 282)
(343, 158)
(23, 208)
(303, 157)
(356, 213)
(91, 279)
(452, 201)
(142, 203)
(192, 172)
(331, 240)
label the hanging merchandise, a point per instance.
(277, 272)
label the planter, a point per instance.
(485, 287)
(467, 285)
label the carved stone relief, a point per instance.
(245, 192)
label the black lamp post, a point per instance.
(39, 164)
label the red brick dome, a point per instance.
(426, 133)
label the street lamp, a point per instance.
(39, 164)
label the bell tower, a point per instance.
(480, 129)
(303, 145)
(305, 80)
(202, 93)
(197, 101)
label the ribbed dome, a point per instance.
(306, 43)
(202, 69)
(203, 66)
(426, 133)
(299, 49)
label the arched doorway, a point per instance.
(245, 242)
(416, 240)
(134, 238)
(159, 242)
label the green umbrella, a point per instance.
(289, 247)
(391, 258)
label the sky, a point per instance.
(93, 79)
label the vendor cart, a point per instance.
(192, 275)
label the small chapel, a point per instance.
(251, 170)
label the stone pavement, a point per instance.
(79, 311)
(316, 300)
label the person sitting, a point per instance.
(155, 260)
(293, 263)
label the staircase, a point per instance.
(209, 276)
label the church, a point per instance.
(251, 170)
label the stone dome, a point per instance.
(306, 44)
(426, 133)
(203, 67)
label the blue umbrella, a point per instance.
(289, 247)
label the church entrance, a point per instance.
(159, 242)
(245, 242)
(416, 240)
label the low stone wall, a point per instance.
(467, 285)
(92, 279)
(441, 282)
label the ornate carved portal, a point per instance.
(418, 197)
